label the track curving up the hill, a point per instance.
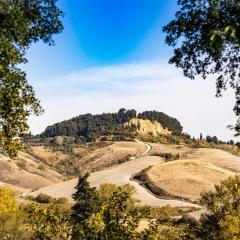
(119, 175)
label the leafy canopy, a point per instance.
(208, 33)
(22, 22)
(222, 222)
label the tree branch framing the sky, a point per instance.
(205, 35)
(22, 22)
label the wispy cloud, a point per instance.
(114, 74)
(143, 86)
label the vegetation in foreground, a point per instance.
(111, 212)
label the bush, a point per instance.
(11, 216)
(124, 159)
(167, 156)
(41, 167)
(222, 219)
(61, 200)
(104, 138)
(44, 198)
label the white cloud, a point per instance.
(143, 86)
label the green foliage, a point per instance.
(48, 223)
(163, 232)
(111, 213)
(167, 156)
(180, 139)
(164, 214)
(22, 22)
(222, 221)
(12, 217)
(208, 33)
(61, 200)
(86, 199)
(44, 198)
(107, 124)
(7, 201)
(114, 218)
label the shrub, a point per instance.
(222, 219)
(41, 167)
(44, 198)
(104, 138)
(11, 216)
(124, 159)
(61, 200)
(167, 156)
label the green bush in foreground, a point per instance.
(223, 219)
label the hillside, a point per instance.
(176, 182)
(183, 179)
(43, 166)
(88, 127)
(196, 171)
(27, 172)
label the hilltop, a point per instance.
(89, 127)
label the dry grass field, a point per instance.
(157, 149)
(29, 172)
(26, 172)
(185, 178)
(89, 159)
(120, 174)
(48, 155)
(197, 171)
(218, 158)
(113, 154)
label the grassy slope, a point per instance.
(197, 171)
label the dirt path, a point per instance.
(147, 146)
(118, 175)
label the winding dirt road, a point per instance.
(118, 175)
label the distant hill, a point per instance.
(90, 126)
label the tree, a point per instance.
(87, 203)
(115, 218)
(22, 22)
(222, 220)
(209, 35)
(48, 223)
(118, 222)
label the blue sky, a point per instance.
(101, 32)
(112, 54)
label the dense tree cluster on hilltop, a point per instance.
(92, 126)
